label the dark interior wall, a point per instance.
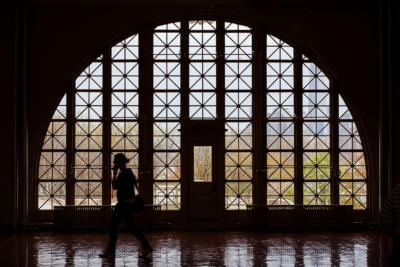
(7, 109)
(395, 87)
(63, 38)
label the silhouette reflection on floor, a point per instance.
(198, 249)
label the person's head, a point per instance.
(120, 160)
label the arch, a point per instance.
(311, 151)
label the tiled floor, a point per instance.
(198, 249)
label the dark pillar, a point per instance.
(385, 103)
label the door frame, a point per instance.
(210, 133)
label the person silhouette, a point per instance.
(125, 184)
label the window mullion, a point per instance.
(298, 91)
(146, 114)
(70, 179)
(220, 109)
(184, 116)
(184, 71)
(259, 109)
(220, 90)
(106, 120)
(334, 121)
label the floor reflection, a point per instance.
(198, 249)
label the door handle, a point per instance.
(214, 186)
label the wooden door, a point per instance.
(202, 183)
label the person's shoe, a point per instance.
(146, 252)
(107, 254)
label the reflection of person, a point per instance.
(124, 183)
(390, 220)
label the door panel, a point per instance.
(203, 190)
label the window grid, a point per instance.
(166, 116)
(322, 160)
(352, 166)
(202, 69)
(88, 131)
(125, 103)
(53, 163)
(316, 132)
(238, 117)
(280, 122)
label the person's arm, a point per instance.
(114, 179)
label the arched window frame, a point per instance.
(259, 193)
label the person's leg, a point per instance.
(131, 224)
(115, 221)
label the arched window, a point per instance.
(289, 136)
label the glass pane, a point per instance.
(280, 76)
(316, 106)
(352, 165)
(88, 135)
(280, 193)
(202, 105)
(202, 163)
(61, 111)
(91, 78)
(316, 193)
(88, 165)
(88, 193)
(238, 46)
(166, 166)
(314, 78)
(167, 45)
(238, 76)
(202, 40)
(278, 50)
(88, 105)
(125, 75)
(316, 165)
(202, 76)
(167, 195)
(167, 76)
(238, 195)
(51, 194)
(238, 165)
(128, 49)
(52, 165)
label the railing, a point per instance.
(67, 216)
(335, 215)
(301, 207)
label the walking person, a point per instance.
(124, 183)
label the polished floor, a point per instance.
(199, 249)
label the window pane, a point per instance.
(238, 117)
(51, 194)
(202, 163)
(280, 122)
(127, 49)
(166, 115)
(314, 78)
(352, 166)
(91, 78)
(167, 195)
(88, 194)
